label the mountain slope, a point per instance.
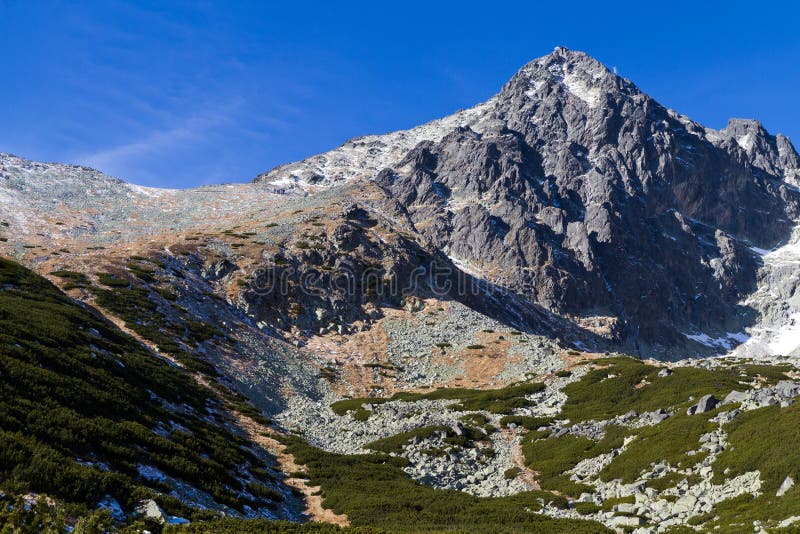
(89, 415)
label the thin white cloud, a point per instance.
(127, 160)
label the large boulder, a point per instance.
(149, 509)
(735, 396)
(787, 484)
(705, 404)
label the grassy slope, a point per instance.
(762, 440)
(610, 391)
(551, 457)
(372, 490)
(73, 386)
(668, 441)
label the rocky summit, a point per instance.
(565, 308)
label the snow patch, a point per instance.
(760, 251)
(576, 85)
(746, 141)
(466, 267)
(149, 191)
(110, 503)
(787, 338)
(727, 342)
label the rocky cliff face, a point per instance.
(576, 189)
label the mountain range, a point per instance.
(450, 297)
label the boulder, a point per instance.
(735, 396)
(787, 388)
(631, 415)
(413, 304)
(627, 521)
(150, 509)
(788, 482)
(685, 504)
(705, 404)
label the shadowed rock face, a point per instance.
(592, 199)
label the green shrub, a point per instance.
(264, 526)
(551, 457)
(502, 400)
(765, 440)
(667, 441)
(112, 281)
(525, 421)
(373, 491)
(73, 386)
(609, 504)
(587, 508)
(394, 444)
(596, 396)
(144, 274)
(511, 473)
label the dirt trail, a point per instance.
(526, 474)
(261, 434)
(257, 433)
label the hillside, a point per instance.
(90, 415)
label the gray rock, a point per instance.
(541, 143)
(787, 388)
(151, 510)
(735, 396)
(705, 404)
(218, 270)
(787, 484)
(625, 508)
(627, 521)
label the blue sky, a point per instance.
(178, 94)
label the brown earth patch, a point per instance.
(264, 436)
(526, 474)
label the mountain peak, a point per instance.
(744, 126)
(576, 73)
(563, 61)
